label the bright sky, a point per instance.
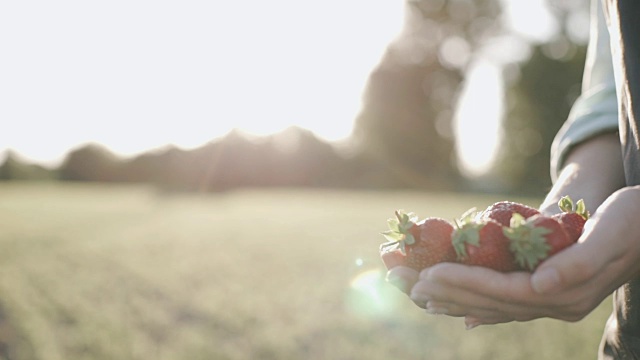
(140, 74)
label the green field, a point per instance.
(98, 272)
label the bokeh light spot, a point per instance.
(477, 120)
(454, 52)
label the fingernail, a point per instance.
(471, 326)
(436, 310)
(471, 323)
(545, 280)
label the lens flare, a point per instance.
(369, 295)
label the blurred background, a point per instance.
(364, 94)
(157, 155)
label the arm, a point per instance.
(592, 171)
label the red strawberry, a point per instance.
(503, 210)
(482, 242)
(423, 244)
(433, 244)
(535, 239)
(573, 217)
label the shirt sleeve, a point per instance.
(596, 110)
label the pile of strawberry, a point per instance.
(507, 236)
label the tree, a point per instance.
(540, 103)
(405, 121)
(14, 169)
(540, 100)
(90, 163)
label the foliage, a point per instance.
(14, 169)
(294, 158)
(90, 163)
(410, 97)
(539, 104)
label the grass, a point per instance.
(98, 272)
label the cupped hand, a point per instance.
(567, 286)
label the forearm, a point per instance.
(593, 170)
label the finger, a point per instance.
(440, 308)
(455, 310)
(402, 277)
(501, 287)
(475, 321)
(420, 304)
(442, 298)
(478, 315)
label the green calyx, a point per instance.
(399, 227)
(566, 205)
(467, 232)
(527, 241)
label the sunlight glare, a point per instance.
(370, 295)
(183, 73)
(530, 18)
(478, 118)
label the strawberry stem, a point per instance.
(527, 241)
(581, 209)
(467, 232)
(399, 230)
(567, 206)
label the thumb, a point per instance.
(610, 235)
(546, 280)
(582, 261)
(403, 278)
(571, 267)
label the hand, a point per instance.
(567, 286)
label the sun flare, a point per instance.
(477, 121)
(369, 295)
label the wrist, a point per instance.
(592, 172)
